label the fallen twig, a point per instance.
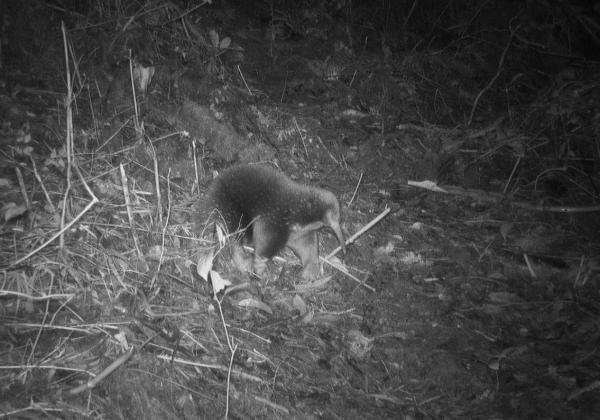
(67, 226)
(494, 197)
(109, 369)
(36, 298)
(368, 226)
(495, 77)
(271, 404)
(346, 273)
(356, 189)
(128, 207)
(222, 368)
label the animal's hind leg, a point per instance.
(306, 247)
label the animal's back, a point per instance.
(246, 192)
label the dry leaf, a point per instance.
(204, 263)
(11, 211)
(5, 182)
(218, 282)
(254, 303)
(299, 304)
(225, 42)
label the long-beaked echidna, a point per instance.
(276, 212)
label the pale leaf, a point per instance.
(225, 42)
(254, 303)
(5, 182)
(11, 210)
(299, 304)
(154, 253)
(218, 282)
(204, 263)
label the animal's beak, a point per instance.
(335, 226)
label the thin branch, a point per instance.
(491, 82)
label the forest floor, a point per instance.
(474, 296)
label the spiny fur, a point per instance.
(244, 195)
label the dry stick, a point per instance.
(368, 226)
(271, 32)
(410, 13)
(22, 188)
(229, 341)
(39, 179)
(345, 272)
(351, 240)
(45, 366)
(76, 72)
(576, 282)
(253, 334)
(187, 30)
(497, 146)
(512, 173)
(187, 12)
(244, 80)
(35, 298)
(109, 369)
(40, 330)
(222, 368)
(136, 121)
(80, 328)
(164, 230)
(284, 88)
(137, 15)
(559, 209)
(353, 77)
(529, 266)
(484, 131)
(118, 276)
(356, 189)
(232, 348)
(166, 136)
(491, 82)
(94, 119)
(328, 152)
(64, 228)
(128, 207)
(157, 183)
(69, 139)
(68, 102)
(60, 308)
(492, 197)
(44, 408)
(112, 136)
(273, 405)
(229, 381)
(197, 185)
(191, 337)
(580, 391)
(43, 323)
(301, 137)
